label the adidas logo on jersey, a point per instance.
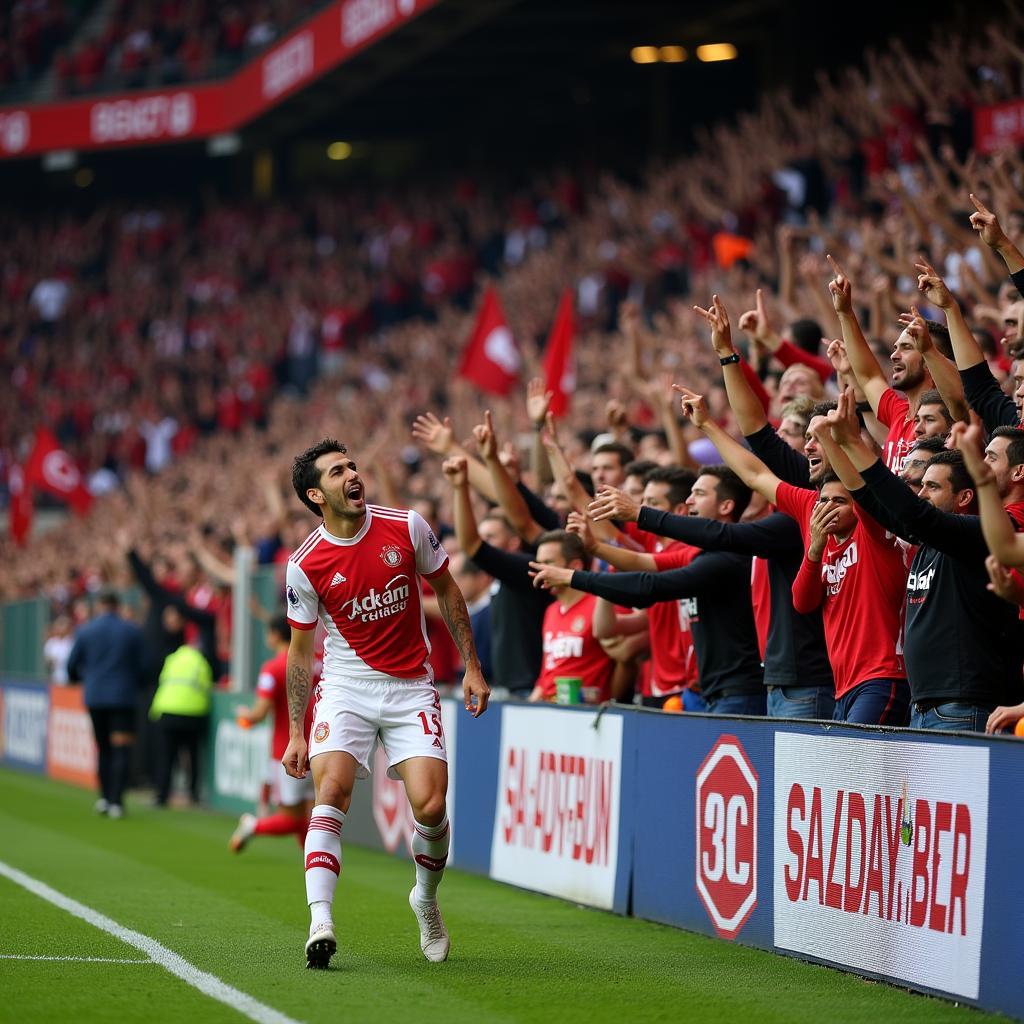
(338, 578)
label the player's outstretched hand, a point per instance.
(611, 503)
(296, 759)
(986, 223)
(475, 691)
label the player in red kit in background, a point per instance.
(359, 573)
(292, 796)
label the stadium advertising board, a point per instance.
(70, 744)
(880, 857)
(26, 712)
(556, 826)
(240, 758)
(196, 112)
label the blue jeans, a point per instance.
(953, 716)
(801, 702)
(875, 702)
(693, 701)
(741, 704)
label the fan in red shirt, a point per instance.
(570, 647)
(294, 797)
(913, 364)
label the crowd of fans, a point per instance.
(140, 43)
(184, 358)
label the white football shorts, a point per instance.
(284, 790)
(404, 714)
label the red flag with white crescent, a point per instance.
(491, 359)
(49, 468)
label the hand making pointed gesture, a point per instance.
(717, 317)
(840, 288)
(695, 409)
(931, 285)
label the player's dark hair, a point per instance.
(640, 468)
(828, 477)
(305, 475)
(1015, 449)
(680, 482)
(822, 408)
(806, 334)
(624, 452)
(959, 478)
(729, 486)
(571, 544)
(279, 624)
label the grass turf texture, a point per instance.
(516, 956)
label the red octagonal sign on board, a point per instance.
(727, 836)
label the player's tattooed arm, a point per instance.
(297, 683)
(297, 677)
(475, 690)
(456, 617)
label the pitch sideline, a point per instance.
(206, 983)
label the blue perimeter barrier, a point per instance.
(891, 853)
(877, 851)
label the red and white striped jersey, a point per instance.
(365, 589)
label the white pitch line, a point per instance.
(208, 984)
(75, 959)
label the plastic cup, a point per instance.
(567, 689)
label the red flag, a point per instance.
(21, 505)
(51, 469)
(491, 359)
(559, 368)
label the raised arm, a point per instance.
(454, 469)
(944, 372)
(439, 437)
(985, 222)
(747, 466)
(508, 496)
(747, 407)
(1005, 544)
(538, 401)
(863, 363)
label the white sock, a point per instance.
(323, 860)
(430, 851)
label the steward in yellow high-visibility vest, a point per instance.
(186, 682)
(181, 710)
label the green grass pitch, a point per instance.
(516, 956)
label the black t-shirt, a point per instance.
(517, 618)
(795, 652)
(962, 643)
(721, 616)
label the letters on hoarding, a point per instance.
(556, 829)
(880, 855)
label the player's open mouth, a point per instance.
(355, 492)
(813, 462)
